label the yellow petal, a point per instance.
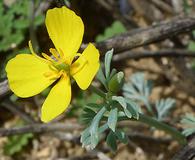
(57, 100)
(26, 75)
(84, 69)
(65, 29)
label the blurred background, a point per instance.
(172, 76)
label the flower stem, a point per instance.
(98, 91)
(162, 126)
(159, 125)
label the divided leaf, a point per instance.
(189, 122)
(163, 107)
(87, 115)
(121, 136)
(111, 141)
(139, 89)
(108, 59)
(112, 119)
(100, 76)
(132, 110)
(121, 100)
(90, 136)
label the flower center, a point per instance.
(57, 60)
(62, 66)
(57, 64)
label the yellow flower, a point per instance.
(29, 74)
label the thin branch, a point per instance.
(60, 3)
(175, 53)
(135, 136)
(18, 111)
(93, 154)
(4, 89)
(163, 5)
(39, 128)
(144, 36)
(187, 152)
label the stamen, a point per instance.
(61, 53)
(33, 53)
(52, 75)
(53, 68)
(55, 53)
(47, 57)
(31, 48)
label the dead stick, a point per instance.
(144, 36)
(18, 111)
(174, 53)
(39, 128)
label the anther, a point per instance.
(55, 53)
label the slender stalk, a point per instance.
(159, 125)
(148, 106)
(162, 126)
(98, 91)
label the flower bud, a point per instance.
(116, 82)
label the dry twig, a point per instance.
(144, 36)
(175, 53)
(187, 152)
(18, 111)
(40, 128)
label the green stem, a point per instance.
(159, 125)
(98, 91)
(148, 106)
(162, 126)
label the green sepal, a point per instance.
(116, 82)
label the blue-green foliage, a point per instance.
(140, 90)
(104, 116)
(189, 122)
(163, 107)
